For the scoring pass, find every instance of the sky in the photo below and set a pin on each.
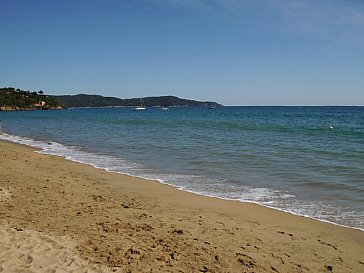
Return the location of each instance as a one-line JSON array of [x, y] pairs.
[[235, 52]]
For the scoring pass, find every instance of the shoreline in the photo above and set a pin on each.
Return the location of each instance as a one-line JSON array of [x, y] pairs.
[[262, 205], [147, 224], [238, 200], [43, 150]]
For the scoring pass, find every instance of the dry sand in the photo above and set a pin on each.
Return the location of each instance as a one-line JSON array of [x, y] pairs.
[[61, 216]]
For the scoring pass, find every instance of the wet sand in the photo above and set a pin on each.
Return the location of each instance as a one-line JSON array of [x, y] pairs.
[[61, 216]]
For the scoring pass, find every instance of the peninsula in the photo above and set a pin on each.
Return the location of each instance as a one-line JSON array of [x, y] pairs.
[[84, 100], [12, 99]]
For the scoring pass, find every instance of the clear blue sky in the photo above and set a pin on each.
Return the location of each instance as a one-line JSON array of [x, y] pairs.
[[236, 52]]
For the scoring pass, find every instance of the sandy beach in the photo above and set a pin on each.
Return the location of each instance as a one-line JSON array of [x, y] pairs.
[[61, 216]]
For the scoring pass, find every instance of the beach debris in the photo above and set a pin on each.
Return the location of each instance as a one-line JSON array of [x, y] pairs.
[[329, 268]]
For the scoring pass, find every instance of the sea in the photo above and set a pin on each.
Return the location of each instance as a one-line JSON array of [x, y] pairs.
[[307, 161]]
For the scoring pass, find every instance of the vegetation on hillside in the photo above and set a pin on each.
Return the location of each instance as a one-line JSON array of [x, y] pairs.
[[83, 100], [16, 99]]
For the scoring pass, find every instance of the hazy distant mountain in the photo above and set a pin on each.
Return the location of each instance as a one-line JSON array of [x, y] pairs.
[[83, 100]]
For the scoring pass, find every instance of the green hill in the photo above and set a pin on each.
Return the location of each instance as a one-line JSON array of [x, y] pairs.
[[83, 100], [16, 99]]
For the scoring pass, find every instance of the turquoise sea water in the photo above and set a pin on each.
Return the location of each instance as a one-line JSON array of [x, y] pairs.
[[304, 160]]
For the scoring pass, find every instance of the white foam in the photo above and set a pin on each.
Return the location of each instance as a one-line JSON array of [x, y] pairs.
[[74, 154], [201, 185]]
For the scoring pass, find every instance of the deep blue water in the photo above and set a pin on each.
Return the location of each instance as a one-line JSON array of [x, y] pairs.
[[305, 160]]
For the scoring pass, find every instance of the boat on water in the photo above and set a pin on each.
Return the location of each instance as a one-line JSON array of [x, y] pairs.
[[140, 107], [163, 108]]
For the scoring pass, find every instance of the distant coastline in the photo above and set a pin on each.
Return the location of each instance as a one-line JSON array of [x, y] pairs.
[[97, 101], [12, 99]]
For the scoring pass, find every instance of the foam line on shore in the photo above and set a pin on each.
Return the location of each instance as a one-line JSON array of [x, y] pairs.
[[129, 168], [138, 225]]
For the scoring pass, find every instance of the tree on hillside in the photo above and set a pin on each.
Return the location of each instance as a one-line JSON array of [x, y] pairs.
[[20, 99]]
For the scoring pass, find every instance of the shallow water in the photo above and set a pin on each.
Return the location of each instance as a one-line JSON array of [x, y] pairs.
[[305, 160]]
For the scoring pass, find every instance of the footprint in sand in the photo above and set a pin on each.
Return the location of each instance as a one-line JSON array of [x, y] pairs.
[[29, 251], [25, 259], [4, 193]]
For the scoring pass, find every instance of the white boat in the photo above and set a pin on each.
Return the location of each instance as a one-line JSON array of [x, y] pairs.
[[164, 108], [139, 108]]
